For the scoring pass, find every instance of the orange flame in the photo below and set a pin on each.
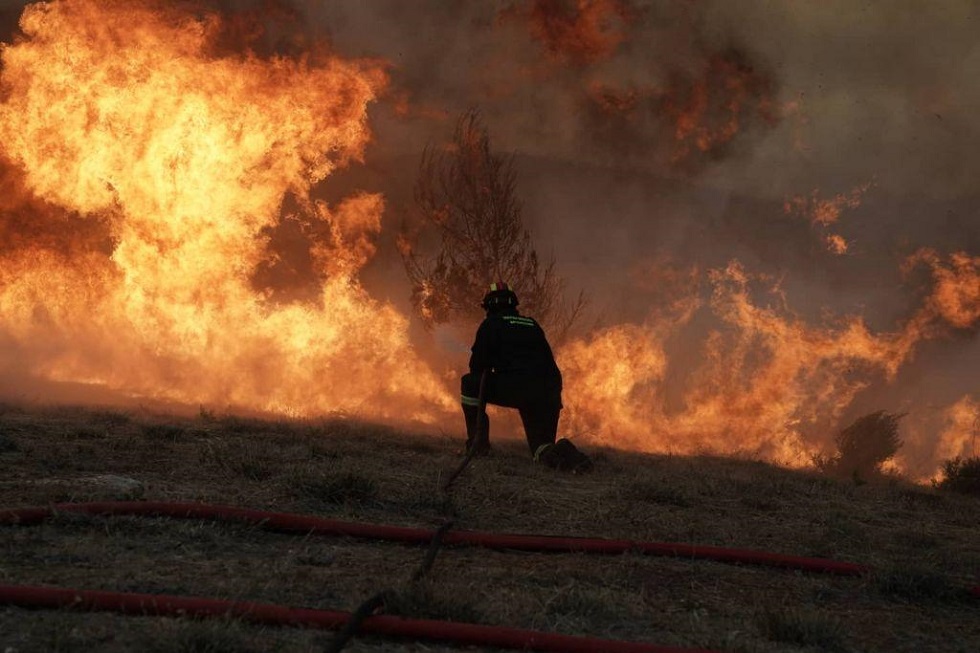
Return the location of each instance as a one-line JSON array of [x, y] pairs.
[[825, 212], [766, 379], [582, 32], [836, 243], [702, 114], [959, 438], [796, 110], [955, 298], [130, 114], [708, 113], [143, 165]]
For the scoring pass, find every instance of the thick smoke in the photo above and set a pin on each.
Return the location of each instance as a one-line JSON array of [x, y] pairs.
[[659, 141], [873, 103]]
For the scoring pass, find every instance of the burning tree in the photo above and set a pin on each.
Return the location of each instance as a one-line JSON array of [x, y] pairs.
[[467, 193], [864, 446]]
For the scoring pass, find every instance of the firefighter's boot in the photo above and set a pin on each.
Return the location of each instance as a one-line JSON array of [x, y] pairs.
[[563, 456]]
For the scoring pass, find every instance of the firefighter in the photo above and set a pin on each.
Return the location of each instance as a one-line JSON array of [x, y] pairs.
[[522, 374]]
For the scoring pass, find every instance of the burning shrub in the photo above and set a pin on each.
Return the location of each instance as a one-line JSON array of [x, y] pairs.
[[961, 475], [864, 446], [468, 194]]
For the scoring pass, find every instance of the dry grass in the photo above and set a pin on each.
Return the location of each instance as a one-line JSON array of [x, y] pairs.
[[805, 628], [960, 475], [922, 542]]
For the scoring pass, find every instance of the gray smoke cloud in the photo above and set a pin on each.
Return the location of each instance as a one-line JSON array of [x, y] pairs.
[[886, 90], [890, 90], [881, 94]]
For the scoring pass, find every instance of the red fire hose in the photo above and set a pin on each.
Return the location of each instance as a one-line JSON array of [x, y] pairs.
[[264, 613], [305, 524], [465, 634]]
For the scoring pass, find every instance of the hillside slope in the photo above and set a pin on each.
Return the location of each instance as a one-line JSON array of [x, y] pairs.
[[925, 545]]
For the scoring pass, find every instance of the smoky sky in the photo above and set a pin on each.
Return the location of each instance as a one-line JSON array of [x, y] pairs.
[[879, 93], [879, 90], [884, 90]]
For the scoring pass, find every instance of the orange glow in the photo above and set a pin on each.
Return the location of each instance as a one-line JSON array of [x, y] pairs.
[[404, 107], [763, 377], [962, 429], [708, 112], [702, 113], [129, 114], [836, 244], [796, 110], [825, 212], [955, 297], [146, 164], [612, 100], [581, 32], [822, 213]]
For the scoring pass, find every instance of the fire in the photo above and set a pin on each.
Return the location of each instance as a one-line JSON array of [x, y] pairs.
[[708, 112], [613, 101], [146, 166], [796, 110], [825, 212], [836, 243], [581, 32], [131, 116], [767, 383], [701, 112], [959, 437], [822, 213], [955, 297]]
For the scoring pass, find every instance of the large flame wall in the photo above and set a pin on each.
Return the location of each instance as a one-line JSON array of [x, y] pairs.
[[127, 114]]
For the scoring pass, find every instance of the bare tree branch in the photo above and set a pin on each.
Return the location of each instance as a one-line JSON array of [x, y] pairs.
[[468, 196]]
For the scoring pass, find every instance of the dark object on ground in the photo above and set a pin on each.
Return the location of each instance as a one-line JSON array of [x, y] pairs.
[[563, 456], [961, 475], [480, 449]]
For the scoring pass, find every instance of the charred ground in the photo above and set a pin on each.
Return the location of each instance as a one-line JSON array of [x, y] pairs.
[[923, 543]]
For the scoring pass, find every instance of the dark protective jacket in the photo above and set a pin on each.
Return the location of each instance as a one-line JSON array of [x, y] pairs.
[[510, 342]]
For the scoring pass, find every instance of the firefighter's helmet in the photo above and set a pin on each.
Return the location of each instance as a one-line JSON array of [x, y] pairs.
[[499, 296]]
